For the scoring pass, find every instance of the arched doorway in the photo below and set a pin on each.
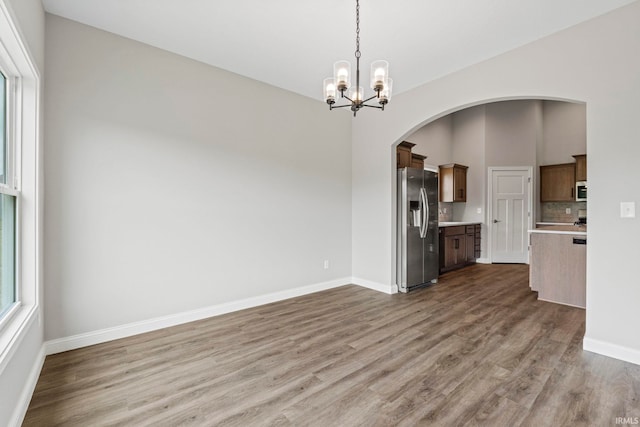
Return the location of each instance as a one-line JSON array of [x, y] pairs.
[[522, 132]]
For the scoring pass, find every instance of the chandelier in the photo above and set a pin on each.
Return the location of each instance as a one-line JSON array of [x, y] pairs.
[[341, 80]]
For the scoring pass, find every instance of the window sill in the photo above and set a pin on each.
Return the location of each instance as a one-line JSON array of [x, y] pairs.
[[14, 331]]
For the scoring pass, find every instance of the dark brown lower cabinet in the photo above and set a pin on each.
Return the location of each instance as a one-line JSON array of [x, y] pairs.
[[459, 246]]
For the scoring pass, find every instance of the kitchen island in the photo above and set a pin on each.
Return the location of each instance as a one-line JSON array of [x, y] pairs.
[[558, 263]]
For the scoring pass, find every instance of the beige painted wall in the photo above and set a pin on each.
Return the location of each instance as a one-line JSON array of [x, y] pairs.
[[174, 186], [564, 132], [513, 130], [434, 141], [469, 147]]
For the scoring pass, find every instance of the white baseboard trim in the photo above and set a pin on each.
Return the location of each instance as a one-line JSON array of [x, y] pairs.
[[483, 261], [611, 350], [97, 337], [387, 289], [27, 391]]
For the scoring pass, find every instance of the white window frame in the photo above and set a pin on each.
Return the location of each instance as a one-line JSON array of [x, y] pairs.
[[12, 126], [23, 181]]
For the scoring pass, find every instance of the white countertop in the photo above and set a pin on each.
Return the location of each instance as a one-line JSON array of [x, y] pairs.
[[560, 228], [455, 223]]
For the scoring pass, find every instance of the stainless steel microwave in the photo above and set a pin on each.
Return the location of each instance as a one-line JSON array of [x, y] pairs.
[[581, 191]]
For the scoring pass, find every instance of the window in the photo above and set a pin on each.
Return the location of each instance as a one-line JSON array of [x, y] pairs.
[[20, 198], [3, 126], [7, 207]]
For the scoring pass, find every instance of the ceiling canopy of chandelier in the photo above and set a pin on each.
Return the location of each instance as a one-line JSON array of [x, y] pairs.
[[341, 81]]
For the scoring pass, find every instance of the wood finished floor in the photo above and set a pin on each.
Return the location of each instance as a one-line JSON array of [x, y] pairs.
[[475, 349]]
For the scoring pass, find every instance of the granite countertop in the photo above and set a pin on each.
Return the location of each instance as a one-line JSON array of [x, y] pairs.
[[455, 223], [580, 230]]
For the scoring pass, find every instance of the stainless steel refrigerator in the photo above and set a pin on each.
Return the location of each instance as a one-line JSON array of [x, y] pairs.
[[417, 237]]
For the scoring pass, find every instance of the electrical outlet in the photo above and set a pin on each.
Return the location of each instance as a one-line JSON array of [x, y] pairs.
[[627, 209], [567, 211], [479, 210], [326, 264]]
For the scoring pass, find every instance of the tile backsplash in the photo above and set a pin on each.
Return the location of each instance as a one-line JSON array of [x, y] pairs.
[[551, 211], [557, 211], [445, 212]]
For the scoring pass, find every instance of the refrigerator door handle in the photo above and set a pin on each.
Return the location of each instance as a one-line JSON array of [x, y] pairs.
[[426, 219], [425, 213]]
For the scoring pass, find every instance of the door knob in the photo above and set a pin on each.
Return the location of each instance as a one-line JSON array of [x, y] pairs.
[[496, 220]]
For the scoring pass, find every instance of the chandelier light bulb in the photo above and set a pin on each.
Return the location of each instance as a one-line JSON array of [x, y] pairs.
[[385, 93], [356, 94], [379, 73], [342, 75], [329, 90]]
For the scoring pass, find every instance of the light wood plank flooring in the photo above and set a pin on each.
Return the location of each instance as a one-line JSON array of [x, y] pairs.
[[475, 349]]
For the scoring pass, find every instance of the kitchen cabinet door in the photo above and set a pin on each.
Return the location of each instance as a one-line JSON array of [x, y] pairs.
[[453, 183], [557, 183], [581, 167], [455, 251]]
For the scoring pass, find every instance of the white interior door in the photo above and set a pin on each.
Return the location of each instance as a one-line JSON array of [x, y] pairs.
[[510, 219]]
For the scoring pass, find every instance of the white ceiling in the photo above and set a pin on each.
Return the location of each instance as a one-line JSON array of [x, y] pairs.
[[293, 44]]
